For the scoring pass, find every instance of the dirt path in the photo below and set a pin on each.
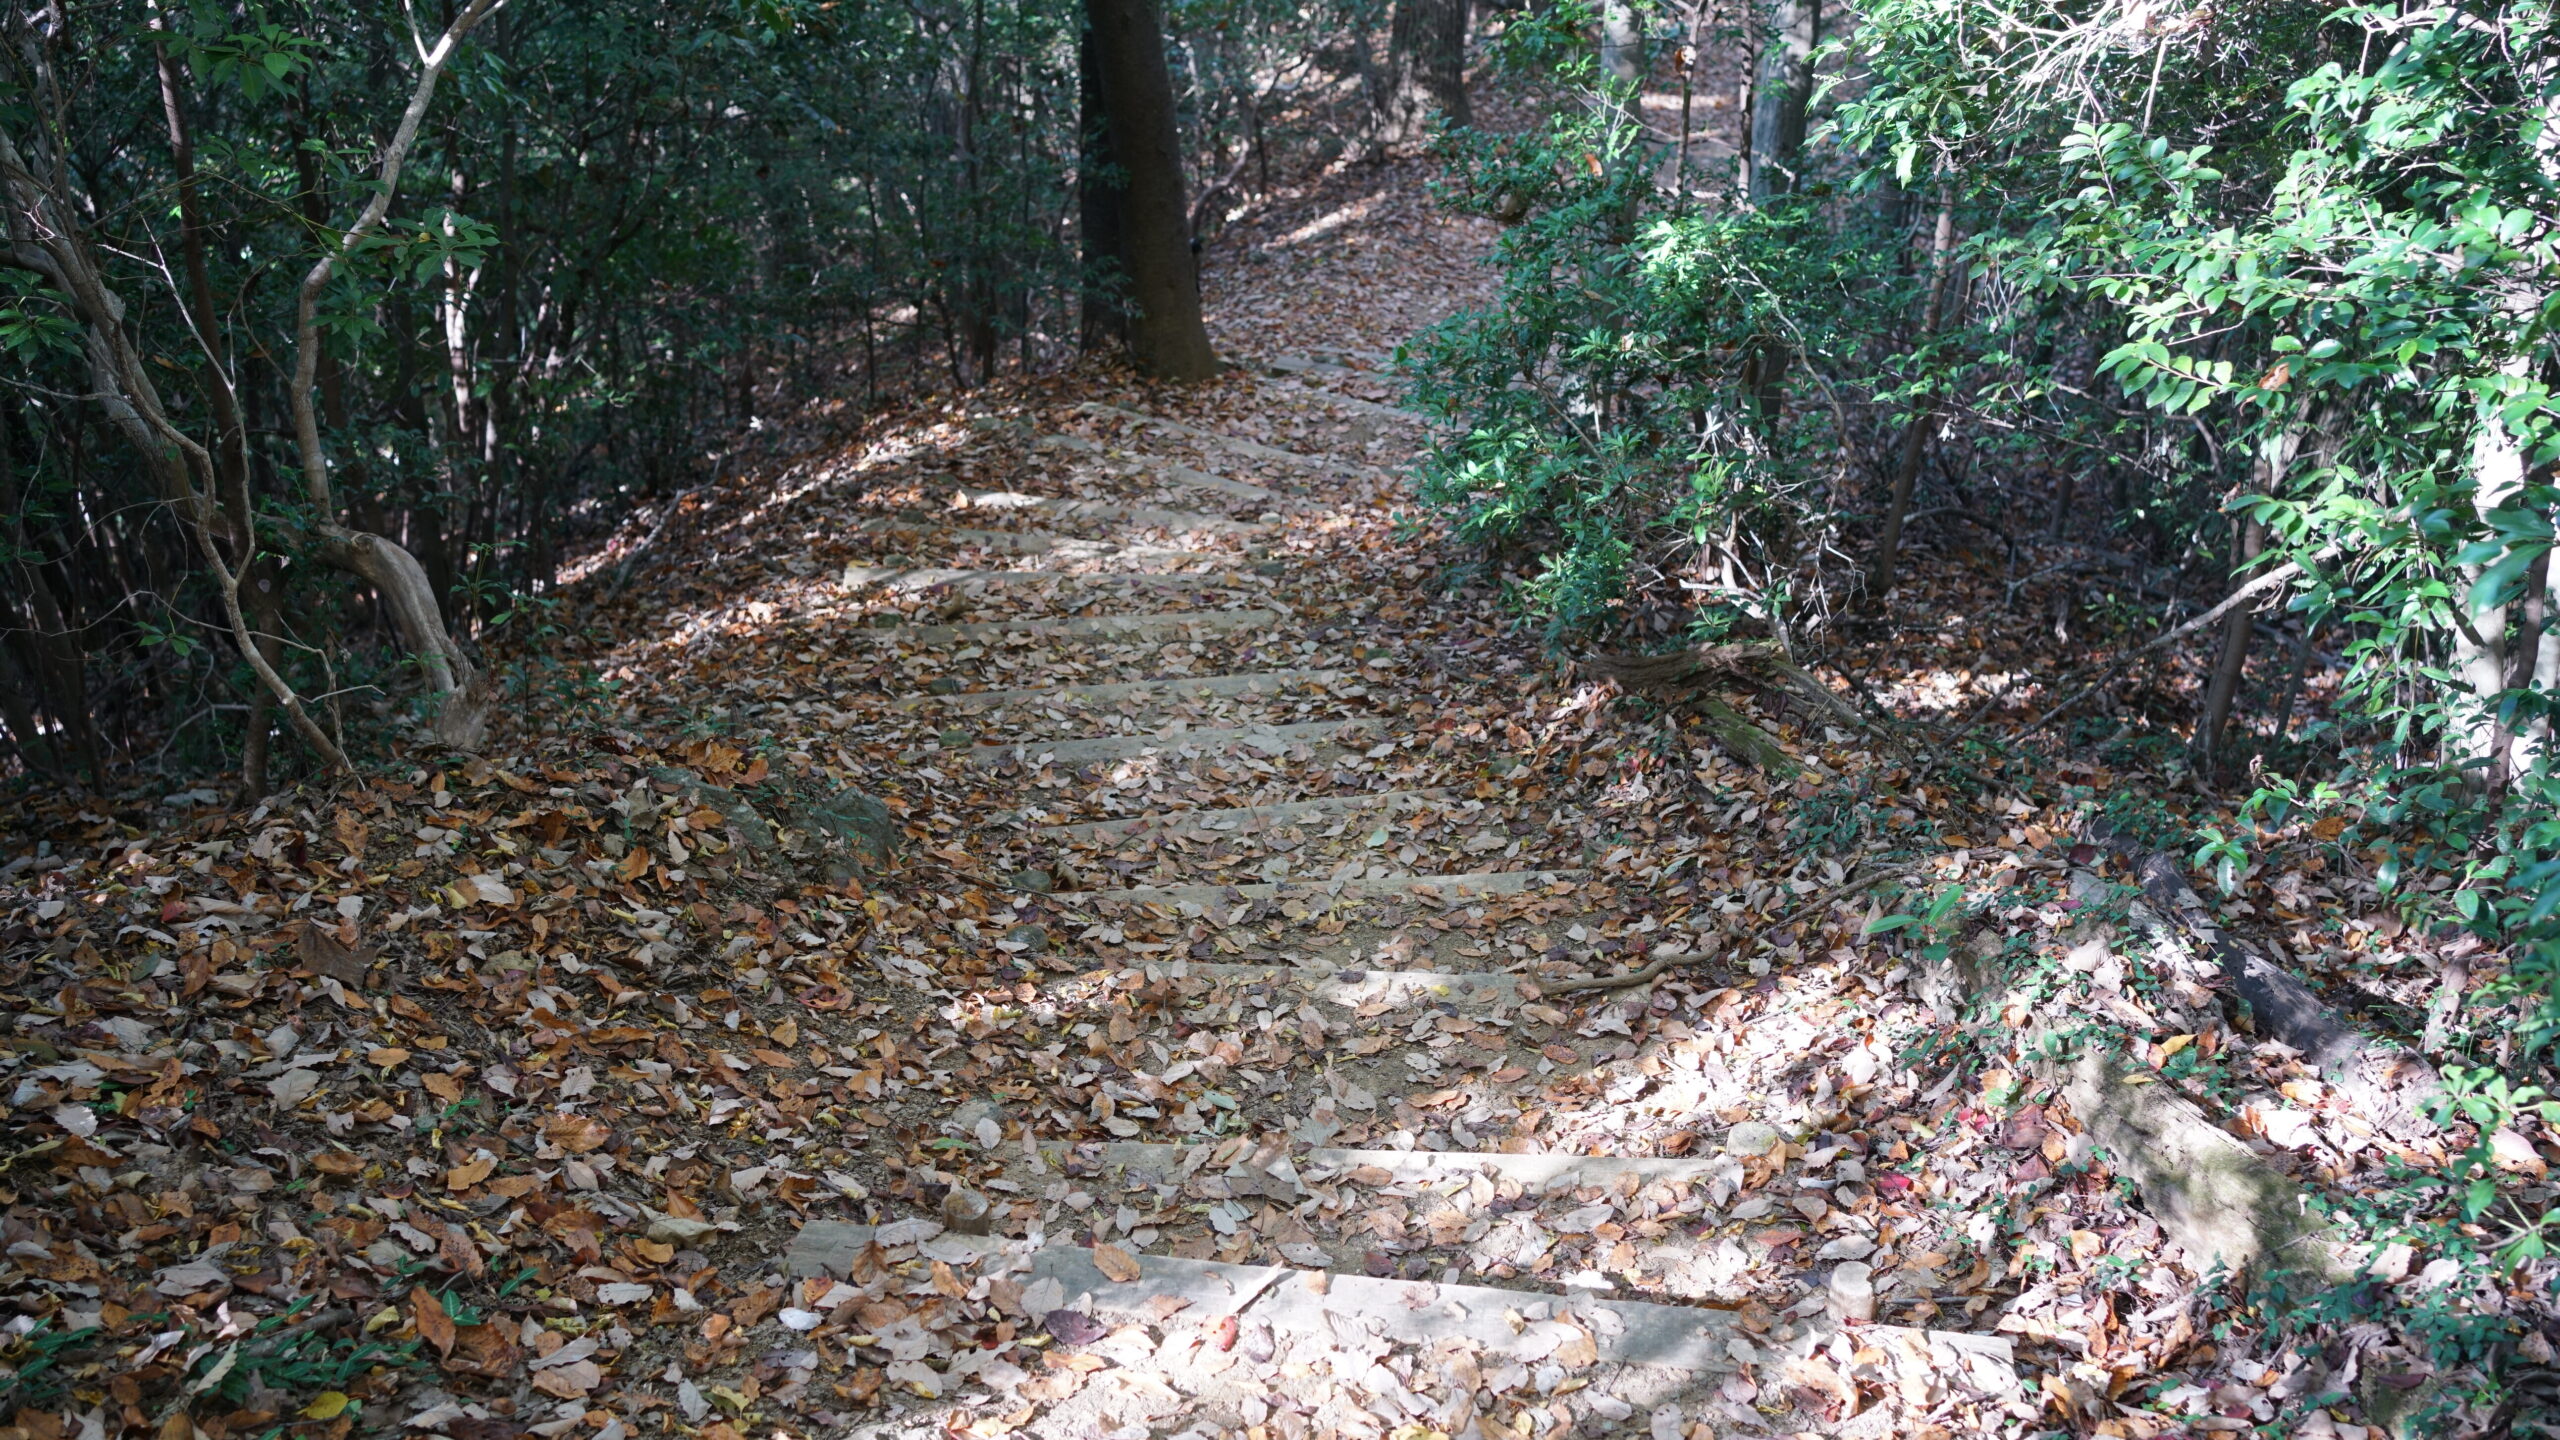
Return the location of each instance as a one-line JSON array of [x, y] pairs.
[[1199, 1065], [1268, 1119]]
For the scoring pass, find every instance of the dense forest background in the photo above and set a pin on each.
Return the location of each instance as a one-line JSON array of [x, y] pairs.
[[625, 245]]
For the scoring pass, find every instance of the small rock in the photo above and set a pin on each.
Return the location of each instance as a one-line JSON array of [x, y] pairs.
[[944, 685], [1034, 939], [862, 823], [975, 1118], [1751, 1137]]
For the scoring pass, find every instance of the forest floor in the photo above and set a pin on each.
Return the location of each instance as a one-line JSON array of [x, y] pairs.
[[1207, 1057]]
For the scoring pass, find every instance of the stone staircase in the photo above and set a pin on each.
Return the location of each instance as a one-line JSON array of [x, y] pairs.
[[1251, 985]]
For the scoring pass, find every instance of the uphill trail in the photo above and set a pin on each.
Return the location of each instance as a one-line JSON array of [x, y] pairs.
[[1078, 912], [1221, 1090]]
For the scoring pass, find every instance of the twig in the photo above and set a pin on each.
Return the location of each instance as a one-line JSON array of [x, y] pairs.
[[2244, 594], [623, 572]]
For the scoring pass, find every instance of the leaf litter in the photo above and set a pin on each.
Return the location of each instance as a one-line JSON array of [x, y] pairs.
[[489, 1099]]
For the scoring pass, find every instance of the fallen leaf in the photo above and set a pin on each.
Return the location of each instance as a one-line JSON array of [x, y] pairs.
[[1116, 1263], [434, 1325]]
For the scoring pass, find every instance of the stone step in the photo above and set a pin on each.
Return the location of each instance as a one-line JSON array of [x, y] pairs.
[[1167, 691], [1373, 365], [1497, 1321], [1351, 986], [1499, 882], [1340, 401], [1536, 1173], [1082, 627], [1179, 522], [1269, 739], [900, 580], [1246, 819], [1037, 542], [1172, 471], [1237, 443]]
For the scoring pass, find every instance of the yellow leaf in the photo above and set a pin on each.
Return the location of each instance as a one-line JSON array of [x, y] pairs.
[[463, 1177], [327, 1405], [388, 1057], [2174, 1044], [2141, 1079]]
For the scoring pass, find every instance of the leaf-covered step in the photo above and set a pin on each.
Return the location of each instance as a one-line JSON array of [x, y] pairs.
[[1082, 627]]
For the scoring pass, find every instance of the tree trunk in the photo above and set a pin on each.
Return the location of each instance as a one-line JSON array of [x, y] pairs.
[[1781, 91], [1103, 301], [462, 698], [45, 236], [1621, 42], [1426, 69], [2248, 537], [1915, 441], [1166, 338], [2483, 661]]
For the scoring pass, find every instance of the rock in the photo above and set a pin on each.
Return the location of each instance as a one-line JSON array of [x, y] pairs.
[[734, 809], [1034, 939], [1036, 882], [977, 1120], [1751, 1137], [858, 821], [943, 685]]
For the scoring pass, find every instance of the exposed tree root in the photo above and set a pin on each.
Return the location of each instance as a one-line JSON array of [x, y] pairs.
[[1682, 678], [2386, 1081]]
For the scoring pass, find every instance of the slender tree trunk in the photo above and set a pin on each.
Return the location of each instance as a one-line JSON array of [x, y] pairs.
[[1426, 70], [2483, 660], [1688, 84], [461, 694], [2528, 623], [1915, 440], [2248, 537], [1781, 92], [1621, 42], [1166, 337]]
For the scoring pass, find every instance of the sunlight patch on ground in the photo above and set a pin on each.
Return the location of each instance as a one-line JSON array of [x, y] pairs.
[[1327, 223]]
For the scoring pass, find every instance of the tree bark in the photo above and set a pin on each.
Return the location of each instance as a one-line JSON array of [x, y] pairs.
[[1621, 42], [1915, 441], [2248, 537], [1426, 70], [462, 713], [1102, 302], [1166, 337], [1781, 91]]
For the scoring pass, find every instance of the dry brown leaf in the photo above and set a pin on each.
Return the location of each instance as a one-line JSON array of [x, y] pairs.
[[1115, 1263], [434, 1326]]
